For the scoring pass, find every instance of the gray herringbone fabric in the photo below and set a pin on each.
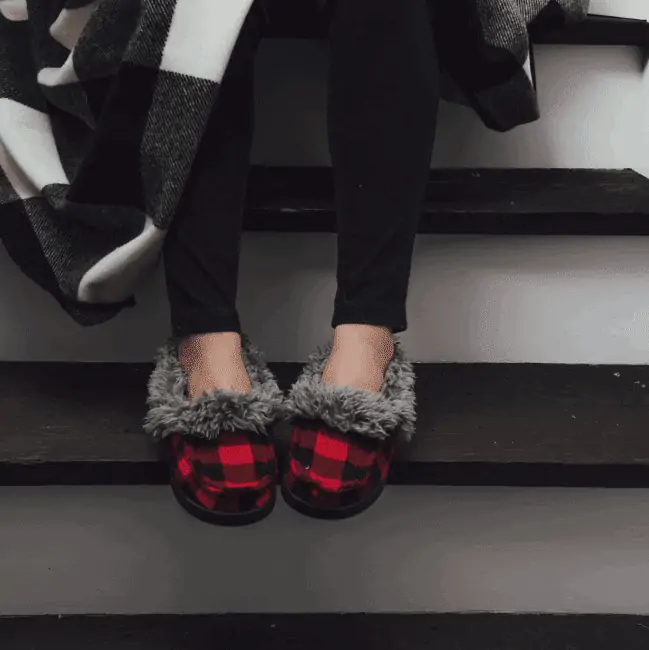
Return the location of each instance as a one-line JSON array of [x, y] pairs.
[[505, 21], [103, 104]]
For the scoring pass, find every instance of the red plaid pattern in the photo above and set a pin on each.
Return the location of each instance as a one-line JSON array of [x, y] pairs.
[[329, 469], [234, 474]]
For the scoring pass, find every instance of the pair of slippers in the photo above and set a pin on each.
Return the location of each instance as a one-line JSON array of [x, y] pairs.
[[224, 467]]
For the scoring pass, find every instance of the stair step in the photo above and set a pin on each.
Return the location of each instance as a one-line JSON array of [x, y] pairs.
[[298, 19], [420, 549], [468, 201], [597, 30], [327, 631], [478, 424], [132, 550]]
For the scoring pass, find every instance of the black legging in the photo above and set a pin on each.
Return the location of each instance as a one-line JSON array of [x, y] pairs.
[[382, 112]]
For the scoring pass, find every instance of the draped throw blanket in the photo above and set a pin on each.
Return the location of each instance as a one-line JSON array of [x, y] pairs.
[[104, 102]]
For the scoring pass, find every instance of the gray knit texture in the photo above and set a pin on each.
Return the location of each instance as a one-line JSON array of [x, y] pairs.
[[171, 410], [71, 210], [390, 412]]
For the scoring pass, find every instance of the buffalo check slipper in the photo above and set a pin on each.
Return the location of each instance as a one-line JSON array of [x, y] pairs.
[[343, 439], [221, 455]]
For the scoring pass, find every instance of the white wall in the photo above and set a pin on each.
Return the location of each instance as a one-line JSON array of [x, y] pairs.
[[473, 298], [620, 8]]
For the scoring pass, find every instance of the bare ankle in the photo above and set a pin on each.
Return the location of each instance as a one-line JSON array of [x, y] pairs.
[[210, 340], [359, 356], [214, 361], [376, 337]]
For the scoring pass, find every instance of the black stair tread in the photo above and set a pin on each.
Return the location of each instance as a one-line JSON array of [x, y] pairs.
[[507, 424], [470, 631], [598, 30], [491, 201], [298, 19]]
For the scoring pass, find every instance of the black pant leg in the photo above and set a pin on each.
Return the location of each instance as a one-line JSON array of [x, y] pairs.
[[201, 253], [383, 101]]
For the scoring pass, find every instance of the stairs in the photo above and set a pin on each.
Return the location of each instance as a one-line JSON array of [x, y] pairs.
[[298, 19], [93, 552], [323, 632], [499, 556], [469, 201], [478, 424]]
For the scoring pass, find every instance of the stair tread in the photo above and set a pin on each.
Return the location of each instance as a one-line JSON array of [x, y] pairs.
[[497, 201], [133, 550], [477, 423], [470, 631], [298, 19], [598, 30]]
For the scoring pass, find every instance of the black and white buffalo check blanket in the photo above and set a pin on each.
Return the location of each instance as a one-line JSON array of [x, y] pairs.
[[103, 104]]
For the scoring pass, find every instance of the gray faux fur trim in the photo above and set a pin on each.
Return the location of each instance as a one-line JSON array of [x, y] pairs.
[[171, 411], [391, 411]]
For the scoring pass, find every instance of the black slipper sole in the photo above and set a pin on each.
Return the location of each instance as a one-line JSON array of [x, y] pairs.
[[316, 512], [219, 518]]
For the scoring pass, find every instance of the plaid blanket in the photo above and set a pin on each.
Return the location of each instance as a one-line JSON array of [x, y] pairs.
[[104, 102]]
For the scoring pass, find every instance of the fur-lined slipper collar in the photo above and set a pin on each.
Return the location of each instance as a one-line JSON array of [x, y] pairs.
[[389, 412], [171, 411]]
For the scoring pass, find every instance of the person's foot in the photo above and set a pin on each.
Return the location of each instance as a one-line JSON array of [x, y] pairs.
[[359, 357], [214, 361]]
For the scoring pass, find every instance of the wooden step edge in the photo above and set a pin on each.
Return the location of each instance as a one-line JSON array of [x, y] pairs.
[[450, 223], [598, 30], [459, 631], [594, 30], [587, 202], [469, 474], [477, 424]]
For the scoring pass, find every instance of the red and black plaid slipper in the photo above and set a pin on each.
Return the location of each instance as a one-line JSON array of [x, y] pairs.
[[344, 439], [221, 455]]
